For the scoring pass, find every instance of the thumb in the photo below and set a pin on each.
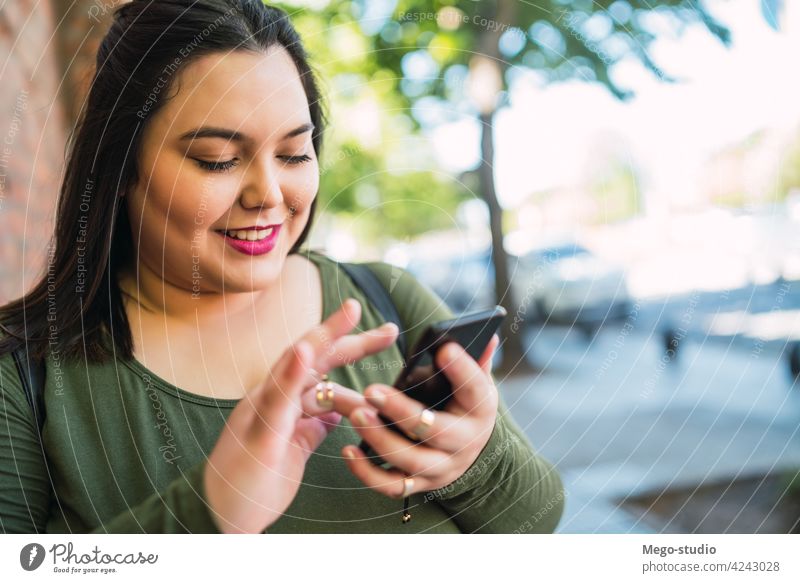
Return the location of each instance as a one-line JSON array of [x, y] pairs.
[[280, 403], [312, 431]]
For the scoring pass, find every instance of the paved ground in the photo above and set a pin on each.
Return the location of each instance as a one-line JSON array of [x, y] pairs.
[[618, 420]]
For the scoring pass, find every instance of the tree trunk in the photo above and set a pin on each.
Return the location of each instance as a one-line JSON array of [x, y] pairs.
[[514, 360]]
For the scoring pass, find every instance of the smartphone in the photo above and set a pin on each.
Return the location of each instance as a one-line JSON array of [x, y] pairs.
[[425, 382]]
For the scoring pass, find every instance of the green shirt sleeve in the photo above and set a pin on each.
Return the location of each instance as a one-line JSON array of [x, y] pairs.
[[24, 481], [180, 508], [25, 485], [510, 487]]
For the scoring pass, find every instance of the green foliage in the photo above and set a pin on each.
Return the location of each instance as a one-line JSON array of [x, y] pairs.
[[379, 71], [616, 193], [385, 203], [789, 174], [562, 40]]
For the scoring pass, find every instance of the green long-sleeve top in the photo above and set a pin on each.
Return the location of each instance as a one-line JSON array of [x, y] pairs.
[[125, 449]]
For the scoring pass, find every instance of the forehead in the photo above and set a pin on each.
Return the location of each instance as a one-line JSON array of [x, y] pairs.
[[259, 91]]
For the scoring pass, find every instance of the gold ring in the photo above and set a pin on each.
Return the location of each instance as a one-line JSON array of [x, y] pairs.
[[325, 395], [408, 485], [426, 418]]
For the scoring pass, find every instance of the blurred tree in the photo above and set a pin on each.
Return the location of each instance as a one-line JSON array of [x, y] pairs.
[[459, 56], [616, 192], [377, 172], [788, 181]]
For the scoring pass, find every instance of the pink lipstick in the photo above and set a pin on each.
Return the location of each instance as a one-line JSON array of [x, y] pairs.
[[259, 246]]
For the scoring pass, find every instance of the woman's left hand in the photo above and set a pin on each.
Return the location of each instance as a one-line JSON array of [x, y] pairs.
[[448, 448]]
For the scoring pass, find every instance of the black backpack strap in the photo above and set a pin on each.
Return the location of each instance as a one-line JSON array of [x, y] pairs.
[[377, 293], [32, 375]]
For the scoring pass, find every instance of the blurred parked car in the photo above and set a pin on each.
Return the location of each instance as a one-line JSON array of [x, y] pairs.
[[464, 281], [568, 284]]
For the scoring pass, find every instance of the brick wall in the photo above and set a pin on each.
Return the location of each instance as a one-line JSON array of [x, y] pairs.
[[47, 51]]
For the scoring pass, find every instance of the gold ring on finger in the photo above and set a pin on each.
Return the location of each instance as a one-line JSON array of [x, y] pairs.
[[426, 419], [325, 395]]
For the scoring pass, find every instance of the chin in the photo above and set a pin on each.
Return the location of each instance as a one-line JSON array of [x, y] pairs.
[[251, 280]]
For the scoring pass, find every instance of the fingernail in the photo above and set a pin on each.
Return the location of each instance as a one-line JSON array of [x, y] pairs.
[[349, 453], [450, 352], [389, 326], [361, 417], [331, 419], [376, 397]]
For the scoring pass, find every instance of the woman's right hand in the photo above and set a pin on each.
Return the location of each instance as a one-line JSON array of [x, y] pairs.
[[257, 464]]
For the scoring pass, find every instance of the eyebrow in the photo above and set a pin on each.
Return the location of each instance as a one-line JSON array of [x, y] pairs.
[[234, 136]]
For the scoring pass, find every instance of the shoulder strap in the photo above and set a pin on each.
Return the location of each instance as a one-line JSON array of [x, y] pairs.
[[32, 375], [377, 293], [379, 296]]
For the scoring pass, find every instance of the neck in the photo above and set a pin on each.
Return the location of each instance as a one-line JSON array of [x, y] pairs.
[[146, 292]]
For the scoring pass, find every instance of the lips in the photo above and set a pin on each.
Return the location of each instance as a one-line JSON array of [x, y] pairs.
[[252, 240], [251, 233]]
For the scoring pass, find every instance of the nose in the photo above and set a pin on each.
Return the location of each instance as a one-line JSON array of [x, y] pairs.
[[261, 186]]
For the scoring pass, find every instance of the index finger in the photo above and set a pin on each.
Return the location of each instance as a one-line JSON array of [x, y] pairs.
[[353, 347], [323, 337], [287, 373]]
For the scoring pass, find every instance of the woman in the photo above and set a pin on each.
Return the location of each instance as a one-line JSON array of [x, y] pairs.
[[185, 331]]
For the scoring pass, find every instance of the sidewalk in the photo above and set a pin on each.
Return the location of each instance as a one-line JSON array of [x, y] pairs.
[[618, 421]]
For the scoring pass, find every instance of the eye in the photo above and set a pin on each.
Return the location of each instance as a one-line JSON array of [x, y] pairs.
[[223, 166], [296, 159]]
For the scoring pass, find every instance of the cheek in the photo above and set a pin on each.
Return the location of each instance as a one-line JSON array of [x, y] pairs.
[[300, 196], [194, 200], [303, 189], [184, 200]]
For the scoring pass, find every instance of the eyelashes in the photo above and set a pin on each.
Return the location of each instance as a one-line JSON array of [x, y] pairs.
[[227, 165], [297, 159], [216, 166]]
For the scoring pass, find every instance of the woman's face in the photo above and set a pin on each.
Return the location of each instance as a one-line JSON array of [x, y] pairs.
[[229, 151]]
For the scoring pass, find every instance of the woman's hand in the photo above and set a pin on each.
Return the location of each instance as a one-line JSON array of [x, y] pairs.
[[257, 464], [448, 448]]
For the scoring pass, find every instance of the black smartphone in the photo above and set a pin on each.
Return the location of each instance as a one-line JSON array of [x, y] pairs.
[[422, 379]]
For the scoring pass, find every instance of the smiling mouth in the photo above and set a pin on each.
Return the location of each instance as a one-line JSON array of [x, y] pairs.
[[250, 234]]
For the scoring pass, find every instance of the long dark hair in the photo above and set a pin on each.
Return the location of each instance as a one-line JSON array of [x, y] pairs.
[[77, 306]]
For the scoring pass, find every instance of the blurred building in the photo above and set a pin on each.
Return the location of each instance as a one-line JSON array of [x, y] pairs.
[[48, 51]]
